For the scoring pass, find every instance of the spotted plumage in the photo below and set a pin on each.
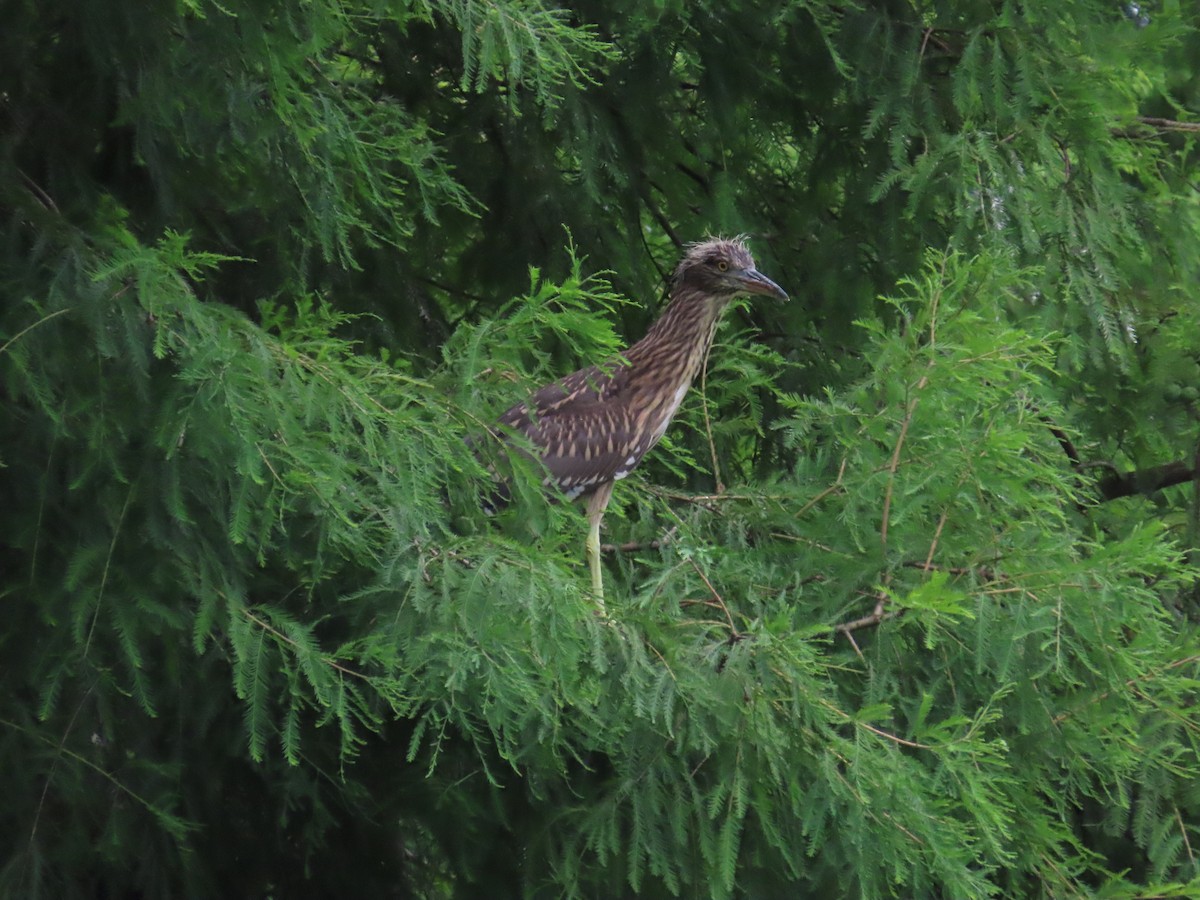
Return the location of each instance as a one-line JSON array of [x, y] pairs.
[[593, 427]]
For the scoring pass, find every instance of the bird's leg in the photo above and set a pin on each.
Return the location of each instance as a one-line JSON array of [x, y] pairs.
[[595, 513], [593, 553]]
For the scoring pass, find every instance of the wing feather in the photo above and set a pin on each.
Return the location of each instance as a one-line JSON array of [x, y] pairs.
[[582, 429]]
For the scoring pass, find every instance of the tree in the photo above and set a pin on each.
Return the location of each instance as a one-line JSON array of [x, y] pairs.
[[904, 605]]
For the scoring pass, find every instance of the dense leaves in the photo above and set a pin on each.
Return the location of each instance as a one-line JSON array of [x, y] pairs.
[[904, 603]]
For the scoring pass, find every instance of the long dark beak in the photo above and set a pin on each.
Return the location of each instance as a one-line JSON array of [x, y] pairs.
[[753, 281]]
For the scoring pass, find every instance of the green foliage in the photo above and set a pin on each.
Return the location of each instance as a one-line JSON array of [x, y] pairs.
[[879, 625], [523, 43]]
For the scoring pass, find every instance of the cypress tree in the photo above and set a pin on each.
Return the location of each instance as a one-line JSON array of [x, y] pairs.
[[903, 605]]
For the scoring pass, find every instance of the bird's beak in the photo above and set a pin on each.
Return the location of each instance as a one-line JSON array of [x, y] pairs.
[[753, 281]]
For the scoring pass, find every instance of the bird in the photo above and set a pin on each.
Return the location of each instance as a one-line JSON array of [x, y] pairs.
[[593, 427]]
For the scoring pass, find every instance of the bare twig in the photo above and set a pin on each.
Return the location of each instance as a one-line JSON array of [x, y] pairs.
[[709, 501], [880, 614], [112, 547], [42, 197], [893, 737], [1167, 124], [832, 489], [1183, 832], [279, 635], [1063, 439], [62, 748], [982, 572], [924, 43], [877, 615], [87, 763], [717, 599], [800, 539], [853, 643], [633, 546], [895, 464], [42, 321], [871, 728], [937, 535]]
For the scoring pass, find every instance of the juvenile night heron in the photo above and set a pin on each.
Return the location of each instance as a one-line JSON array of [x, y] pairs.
[[592, 428]]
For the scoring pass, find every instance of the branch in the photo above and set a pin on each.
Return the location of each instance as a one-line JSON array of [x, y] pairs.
[[1063, 439], [717, 600], [983, 573], [894, 464], [880, 614], [876, 616], [1117, 484], [869, 621], [1146, 481], [1167, 124], [632, 546], [1134, 132]]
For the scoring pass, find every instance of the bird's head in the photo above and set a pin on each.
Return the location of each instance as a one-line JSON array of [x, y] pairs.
[[722, 268]]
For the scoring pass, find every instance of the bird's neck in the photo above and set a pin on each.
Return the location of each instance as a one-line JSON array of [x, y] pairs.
[[674, 348]]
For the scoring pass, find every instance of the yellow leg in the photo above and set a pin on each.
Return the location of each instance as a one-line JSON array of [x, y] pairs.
[[593, 554], [595, 513]]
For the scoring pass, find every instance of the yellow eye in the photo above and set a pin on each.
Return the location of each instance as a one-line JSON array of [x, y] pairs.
[[722, 266]]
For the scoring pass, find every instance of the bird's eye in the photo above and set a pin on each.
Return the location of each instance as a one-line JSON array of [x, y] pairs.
[[722, 266]]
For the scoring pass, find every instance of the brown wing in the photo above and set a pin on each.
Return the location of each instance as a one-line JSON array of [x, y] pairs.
[[583, 428]]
